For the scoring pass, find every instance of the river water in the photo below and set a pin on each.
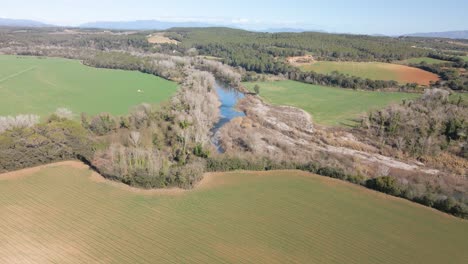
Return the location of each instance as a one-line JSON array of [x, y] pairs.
[[228, 96]]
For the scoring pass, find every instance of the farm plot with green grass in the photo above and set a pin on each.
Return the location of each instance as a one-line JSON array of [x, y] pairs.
[[374, 71], [465, 58], [327, 105], [422, 59], [66, 214], [31, 85]]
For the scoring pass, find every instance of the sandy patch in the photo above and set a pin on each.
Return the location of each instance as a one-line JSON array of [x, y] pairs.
[[159, 38], [300, 60]]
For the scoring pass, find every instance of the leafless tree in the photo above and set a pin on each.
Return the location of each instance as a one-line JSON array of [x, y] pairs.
[[20, 121], [64, 113], [134, 138]]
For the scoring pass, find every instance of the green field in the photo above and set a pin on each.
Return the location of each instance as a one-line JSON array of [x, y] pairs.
[[30, 85], [422, 59], [465, 58], [373, 70], [329, 106], [61, 215]]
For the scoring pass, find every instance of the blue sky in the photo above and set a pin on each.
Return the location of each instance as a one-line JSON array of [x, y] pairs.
[[358, 16]]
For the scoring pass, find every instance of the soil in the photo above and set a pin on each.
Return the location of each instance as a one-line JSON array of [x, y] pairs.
[[159, 38], [300, 60], [410, 74]]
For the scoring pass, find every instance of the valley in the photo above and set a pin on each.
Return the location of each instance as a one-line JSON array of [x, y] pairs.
[[248, 217], [143, 132]]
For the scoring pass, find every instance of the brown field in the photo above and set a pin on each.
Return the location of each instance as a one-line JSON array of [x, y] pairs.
[[65, 213], [410, 75], [159, 38], [372, 70]]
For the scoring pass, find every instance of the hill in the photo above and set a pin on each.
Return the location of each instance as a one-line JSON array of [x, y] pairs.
[[6, 22], [142, 25], [64, 213], [461, 34]]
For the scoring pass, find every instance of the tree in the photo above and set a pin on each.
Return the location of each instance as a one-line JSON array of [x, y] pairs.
[[257, 89], [385, 184]]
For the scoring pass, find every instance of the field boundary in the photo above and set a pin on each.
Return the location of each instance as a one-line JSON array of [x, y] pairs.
[[17, 74], [208, 181], [94, 176]]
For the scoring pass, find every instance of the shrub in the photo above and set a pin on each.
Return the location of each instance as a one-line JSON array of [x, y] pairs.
[[257, 89], [336, 173], [103, 124], [186, 176], [43, 143], [200, 152], [385, 184]]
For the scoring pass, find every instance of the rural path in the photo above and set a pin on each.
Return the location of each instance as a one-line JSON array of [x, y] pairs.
[[17, 74]]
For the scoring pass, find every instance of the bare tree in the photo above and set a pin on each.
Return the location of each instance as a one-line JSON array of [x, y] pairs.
[[20, 121], [64, 113], [134, 138]]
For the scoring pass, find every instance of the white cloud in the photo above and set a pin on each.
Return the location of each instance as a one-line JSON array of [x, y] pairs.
[[240, 21]]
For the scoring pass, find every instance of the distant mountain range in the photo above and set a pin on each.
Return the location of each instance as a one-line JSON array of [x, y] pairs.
[[291, 30], [462, 34], [143, 25], [163, 25], [6, 22]]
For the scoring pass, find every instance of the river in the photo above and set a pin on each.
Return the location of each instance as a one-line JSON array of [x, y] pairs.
[[228, 96]]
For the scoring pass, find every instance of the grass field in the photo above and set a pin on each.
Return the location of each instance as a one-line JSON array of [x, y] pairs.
[[62, 215], [374, 71], [31, 85], [329, 106], [422, 59], [465, 58]]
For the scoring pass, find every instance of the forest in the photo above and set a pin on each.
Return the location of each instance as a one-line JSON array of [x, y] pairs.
[[266, 53]]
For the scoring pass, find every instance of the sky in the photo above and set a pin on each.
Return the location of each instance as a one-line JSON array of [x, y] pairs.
[[390, 17]]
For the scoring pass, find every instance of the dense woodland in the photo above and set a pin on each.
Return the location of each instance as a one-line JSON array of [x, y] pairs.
[[241, 48], [423, 127], [266, 53]]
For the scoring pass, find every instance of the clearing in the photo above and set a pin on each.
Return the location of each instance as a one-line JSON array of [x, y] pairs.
[[32, 85], [327, 105], [159, 38], [300, 60], [374, 71], [61, 214]]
